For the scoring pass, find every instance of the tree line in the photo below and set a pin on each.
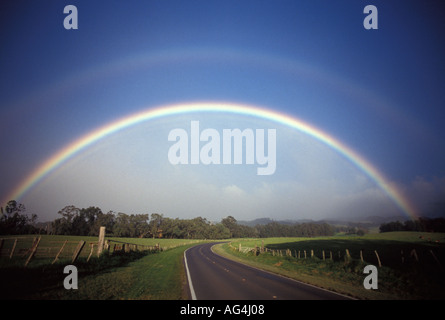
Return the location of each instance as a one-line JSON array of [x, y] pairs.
[[421, 225], [87, 222], [75, 221], [13, 219]]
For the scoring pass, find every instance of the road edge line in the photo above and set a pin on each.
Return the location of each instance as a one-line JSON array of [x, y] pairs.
[[286, 277], [189, 278]]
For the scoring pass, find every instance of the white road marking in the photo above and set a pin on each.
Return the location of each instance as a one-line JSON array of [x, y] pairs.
[[189, 279]]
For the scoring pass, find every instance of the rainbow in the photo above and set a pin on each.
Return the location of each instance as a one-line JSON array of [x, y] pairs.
[[87, 140]]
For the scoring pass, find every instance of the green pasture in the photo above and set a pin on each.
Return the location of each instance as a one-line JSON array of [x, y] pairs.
[[403, 274], [160, 275], [50, 245], [114, 275], [390, 247]]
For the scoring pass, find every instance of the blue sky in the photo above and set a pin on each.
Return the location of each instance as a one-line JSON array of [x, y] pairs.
[[381, 92]]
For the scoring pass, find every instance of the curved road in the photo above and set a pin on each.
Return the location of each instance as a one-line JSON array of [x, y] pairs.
[[213, 277]]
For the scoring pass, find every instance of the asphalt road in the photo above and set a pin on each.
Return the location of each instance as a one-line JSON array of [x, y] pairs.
[[213, 277]]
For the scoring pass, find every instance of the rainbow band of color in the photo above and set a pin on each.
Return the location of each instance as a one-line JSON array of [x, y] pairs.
[[74, 148]]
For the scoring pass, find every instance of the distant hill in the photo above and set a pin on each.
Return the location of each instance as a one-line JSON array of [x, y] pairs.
[[264, 221], [371, 221]]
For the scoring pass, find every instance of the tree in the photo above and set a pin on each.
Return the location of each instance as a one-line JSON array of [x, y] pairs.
[[13, 219], [90, 215], [391, 226], [139, 225], [106, 220], [121, 227], [133, 226], [219, 231], [231, 224], [12, 207], [155, 224], [64, 225]]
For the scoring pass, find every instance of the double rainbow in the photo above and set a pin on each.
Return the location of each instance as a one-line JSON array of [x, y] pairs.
[[87, 140]]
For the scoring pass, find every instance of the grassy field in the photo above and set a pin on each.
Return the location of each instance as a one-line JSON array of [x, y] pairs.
[[412, 279], [50, 245], [119, 275], [161, 275], [158, 276]]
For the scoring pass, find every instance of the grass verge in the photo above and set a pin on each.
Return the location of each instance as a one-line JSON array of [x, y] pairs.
[[134, 276], [424, 279]]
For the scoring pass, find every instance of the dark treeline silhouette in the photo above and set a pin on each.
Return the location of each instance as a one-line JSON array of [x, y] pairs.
[[87, 221], [307, 229], [13, 219], [421, 224], [75, 221]]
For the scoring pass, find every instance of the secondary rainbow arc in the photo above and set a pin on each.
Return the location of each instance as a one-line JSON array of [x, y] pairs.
[[90, 138]]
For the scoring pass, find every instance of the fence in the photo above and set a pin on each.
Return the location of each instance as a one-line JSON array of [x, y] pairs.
[[31, 247], [344, 255]]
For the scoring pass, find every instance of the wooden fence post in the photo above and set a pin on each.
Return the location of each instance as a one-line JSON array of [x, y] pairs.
[[33, 250], [378, 258], [414, 253], [435, 258], [101, 242], [13, 248], [91, 252], [60, 251], [78, 249], [348, 256]]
